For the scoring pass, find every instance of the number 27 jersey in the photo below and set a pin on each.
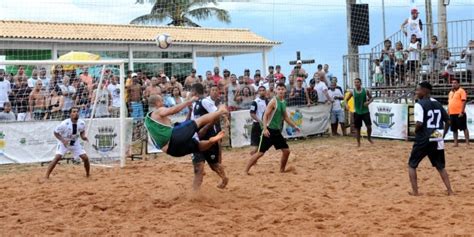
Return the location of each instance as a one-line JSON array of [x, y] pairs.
[[433, 116]]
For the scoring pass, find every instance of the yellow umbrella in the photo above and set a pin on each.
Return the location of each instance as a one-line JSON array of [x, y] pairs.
[[77, 56]]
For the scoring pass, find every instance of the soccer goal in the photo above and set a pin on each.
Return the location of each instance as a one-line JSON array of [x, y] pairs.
[[37, 95]]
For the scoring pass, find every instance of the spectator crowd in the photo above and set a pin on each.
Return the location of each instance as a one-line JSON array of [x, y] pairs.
[[50, 97]]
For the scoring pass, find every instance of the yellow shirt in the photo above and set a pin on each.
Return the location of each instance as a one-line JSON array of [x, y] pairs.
[[350, 102]]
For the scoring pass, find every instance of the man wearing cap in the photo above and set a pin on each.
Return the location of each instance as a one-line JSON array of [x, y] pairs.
[[413, 25], [432, 124], [298, 70]]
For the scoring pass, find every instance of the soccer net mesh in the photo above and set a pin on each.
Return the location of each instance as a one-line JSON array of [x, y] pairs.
[[36, 95]]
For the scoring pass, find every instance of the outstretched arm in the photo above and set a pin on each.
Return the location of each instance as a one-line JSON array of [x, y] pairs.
[[163, 112]]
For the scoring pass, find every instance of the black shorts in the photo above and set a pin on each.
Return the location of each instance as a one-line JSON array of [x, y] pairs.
[[458, 123], [431, 150], [182, 142], [255, 134], [211, 156], [276, 139], [359, 118]]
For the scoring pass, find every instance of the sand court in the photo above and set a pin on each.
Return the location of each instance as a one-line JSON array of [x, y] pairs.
[[332, 188]]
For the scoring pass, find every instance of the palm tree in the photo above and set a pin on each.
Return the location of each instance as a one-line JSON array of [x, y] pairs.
[[181, 12]]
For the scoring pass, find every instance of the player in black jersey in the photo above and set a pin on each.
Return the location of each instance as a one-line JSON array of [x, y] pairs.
[[201, 107], [432, 124]]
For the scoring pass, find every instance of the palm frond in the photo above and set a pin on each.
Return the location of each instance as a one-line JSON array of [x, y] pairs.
[[189, 22], [204, 13], [149, 18], [201, 3]]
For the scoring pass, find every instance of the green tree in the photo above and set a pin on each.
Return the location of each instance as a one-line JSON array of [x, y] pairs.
[[182, 12]]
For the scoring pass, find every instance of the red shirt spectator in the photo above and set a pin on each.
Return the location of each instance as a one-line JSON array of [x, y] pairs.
[[216, 78]]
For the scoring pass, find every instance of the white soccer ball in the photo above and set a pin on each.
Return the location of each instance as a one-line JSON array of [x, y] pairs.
[[163, 41]]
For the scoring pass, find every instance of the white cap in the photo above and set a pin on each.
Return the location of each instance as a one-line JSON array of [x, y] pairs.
[[134, 74], [299, 61]]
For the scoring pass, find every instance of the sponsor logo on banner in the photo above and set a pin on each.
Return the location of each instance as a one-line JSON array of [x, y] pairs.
[[20, 145], [297, 118], [384, 117], [105, 140], [389, 120]]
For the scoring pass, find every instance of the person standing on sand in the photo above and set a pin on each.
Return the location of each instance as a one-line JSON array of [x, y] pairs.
[[362, 100], [68, 133], [457, 111], [257, 110], [431, 118], [273, 118], [213, 156]]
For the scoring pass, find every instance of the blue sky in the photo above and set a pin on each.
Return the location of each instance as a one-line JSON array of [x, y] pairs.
[[315, 27]]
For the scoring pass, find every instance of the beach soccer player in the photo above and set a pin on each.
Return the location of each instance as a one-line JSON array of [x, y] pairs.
[[432, 124], [362, 99], [273, 119], [257, 109], [201, 107], [178, 140], [68, 133]]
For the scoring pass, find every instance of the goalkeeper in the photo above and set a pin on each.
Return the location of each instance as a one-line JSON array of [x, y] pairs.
[[178, 140]]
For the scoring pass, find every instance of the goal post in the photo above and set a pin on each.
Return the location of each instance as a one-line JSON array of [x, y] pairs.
[[38, 108]]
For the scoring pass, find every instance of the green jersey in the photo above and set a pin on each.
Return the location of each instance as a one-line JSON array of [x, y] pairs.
[[160, 133], [359, 99], [276, 120]]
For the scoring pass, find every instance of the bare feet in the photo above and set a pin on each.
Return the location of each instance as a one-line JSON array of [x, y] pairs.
[[371, 142], [413, 193], [450, 193], [224, 183], [217, 137], [456, 145]]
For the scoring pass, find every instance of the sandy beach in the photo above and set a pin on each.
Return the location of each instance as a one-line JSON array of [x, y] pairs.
[[332, 188]]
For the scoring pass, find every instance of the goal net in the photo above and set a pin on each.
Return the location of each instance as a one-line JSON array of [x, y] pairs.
[[37, 95]]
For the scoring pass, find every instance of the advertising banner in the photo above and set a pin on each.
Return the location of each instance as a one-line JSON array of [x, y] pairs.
[[388, 120], [29, 142], [470, 125], [310, 120]]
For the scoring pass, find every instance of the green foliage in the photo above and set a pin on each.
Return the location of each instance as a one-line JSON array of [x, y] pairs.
[[181, 12]]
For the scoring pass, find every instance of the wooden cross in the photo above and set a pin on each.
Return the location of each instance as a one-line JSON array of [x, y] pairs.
[[298, 58]]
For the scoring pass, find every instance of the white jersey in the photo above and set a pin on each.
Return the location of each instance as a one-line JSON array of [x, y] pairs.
[[69, 131], [258, 107], [414, 27]]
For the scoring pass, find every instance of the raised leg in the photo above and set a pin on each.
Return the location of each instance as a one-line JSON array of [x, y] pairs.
[[206, 144], [211, 118]]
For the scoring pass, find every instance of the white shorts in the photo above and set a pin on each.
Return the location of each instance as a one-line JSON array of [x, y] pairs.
[[76, 150]]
